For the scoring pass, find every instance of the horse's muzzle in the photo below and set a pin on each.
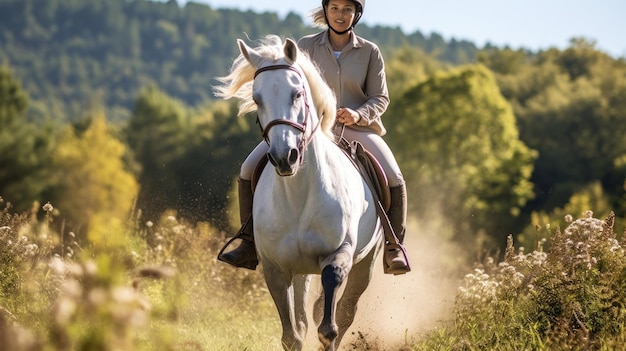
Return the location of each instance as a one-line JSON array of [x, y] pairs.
[[285, 164]]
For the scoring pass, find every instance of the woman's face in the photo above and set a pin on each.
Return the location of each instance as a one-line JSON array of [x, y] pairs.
[[341, 14]]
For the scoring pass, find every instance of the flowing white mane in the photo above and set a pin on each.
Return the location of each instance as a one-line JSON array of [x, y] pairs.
[[238, 83]]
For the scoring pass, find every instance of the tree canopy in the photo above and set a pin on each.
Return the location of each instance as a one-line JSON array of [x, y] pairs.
[[90, 176], [24, 148], [456, 137], [111, 49]]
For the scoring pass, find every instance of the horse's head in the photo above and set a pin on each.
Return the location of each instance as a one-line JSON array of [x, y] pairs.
[[280, 92], [289, 94]]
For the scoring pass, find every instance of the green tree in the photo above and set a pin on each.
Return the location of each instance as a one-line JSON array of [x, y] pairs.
[[542, 225], [24, 148], [407, 67], [115, 47], [219, 143], [188, 158], [571, 108], [503, 61], [579, 58], [456, 138], [92, 179], [157, 135]]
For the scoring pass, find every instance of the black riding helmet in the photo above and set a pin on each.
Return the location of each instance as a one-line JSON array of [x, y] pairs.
[[360, 5]]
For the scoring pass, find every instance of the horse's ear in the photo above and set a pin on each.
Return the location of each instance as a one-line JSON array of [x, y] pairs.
[[291, 50], [250, 54]]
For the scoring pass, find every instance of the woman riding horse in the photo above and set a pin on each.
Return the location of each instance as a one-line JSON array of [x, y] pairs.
[[354, 69]]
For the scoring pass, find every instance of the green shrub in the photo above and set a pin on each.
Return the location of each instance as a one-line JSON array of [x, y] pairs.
[[130, 287], [569, 297]]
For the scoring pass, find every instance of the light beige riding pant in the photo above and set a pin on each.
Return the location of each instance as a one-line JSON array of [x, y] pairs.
[[372, 142]]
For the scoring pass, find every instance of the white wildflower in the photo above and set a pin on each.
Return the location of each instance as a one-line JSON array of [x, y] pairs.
[[72, 288], [48, 207], [64, 310]]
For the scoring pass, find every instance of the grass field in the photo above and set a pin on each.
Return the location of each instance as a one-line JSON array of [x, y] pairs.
[[159, 287]]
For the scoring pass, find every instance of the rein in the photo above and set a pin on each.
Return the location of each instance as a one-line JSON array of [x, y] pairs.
[[301, 127]]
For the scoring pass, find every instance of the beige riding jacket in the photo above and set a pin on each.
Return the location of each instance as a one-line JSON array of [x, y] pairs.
[[357, 77]]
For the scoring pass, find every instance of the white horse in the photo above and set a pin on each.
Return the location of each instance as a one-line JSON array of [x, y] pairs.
[[313, 213]]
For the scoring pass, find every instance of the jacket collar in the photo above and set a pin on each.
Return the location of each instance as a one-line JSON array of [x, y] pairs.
[[323, 39]]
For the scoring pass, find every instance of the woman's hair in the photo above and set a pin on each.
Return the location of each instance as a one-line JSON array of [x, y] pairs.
[[319, 18]]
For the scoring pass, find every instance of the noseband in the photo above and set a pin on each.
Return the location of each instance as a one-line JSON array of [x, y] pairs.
[[301, 127]]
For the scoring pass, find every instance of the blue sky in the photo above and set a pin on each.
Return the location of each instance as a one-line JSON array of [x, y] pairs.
[[531, 24]]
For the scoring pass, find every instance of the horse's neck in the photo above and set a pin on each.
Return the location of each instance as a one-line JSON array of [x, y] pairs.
[[322, 160], [317, 178]]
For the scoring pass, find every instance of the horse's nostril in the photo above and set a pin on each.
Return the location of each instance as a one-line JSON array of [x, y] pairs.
[[293, 156], [270, 157]]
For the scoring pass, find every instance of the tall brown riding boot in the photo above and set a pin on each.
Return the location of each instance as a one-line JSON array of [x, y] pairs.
[[395, 258], [244, 255]]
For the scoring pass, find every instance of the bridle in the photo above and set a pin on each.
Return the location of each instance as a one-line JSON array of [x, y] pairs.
[[301, 127]]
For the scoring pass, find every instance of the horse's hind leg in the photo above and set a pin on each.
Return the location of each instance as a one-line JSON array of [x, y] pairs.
[[358, 280], [318, 308], [300, 291], [281, 289]]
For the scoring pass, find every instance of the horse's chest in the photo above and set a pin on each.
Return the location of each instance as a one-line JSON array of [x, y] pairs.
[[301, 233], [300, 240]]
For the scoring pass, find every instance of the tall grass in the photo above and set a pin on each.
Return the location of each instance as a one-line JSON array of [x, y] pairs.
[[157, 286], [150, 286], [567, 294]]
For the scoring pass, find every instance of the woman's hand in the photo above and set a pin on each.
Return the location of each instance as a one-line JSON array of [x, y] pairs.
[[347, 116]]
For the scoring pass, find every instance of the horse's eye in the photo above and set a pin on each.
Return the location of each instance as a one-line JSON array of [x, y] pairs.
[[298, 95]]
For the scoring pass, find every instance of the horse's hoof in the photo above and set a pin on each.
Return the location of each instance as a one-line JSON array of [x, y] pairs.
[[327, 335]]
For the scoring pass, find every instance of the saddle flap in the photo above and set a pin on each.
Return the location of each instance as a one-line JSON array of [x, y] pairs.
[[371, 169]]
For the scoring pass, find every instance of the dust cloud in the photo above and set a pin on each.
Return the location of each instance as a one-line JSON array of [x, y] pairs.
[[395, 310]]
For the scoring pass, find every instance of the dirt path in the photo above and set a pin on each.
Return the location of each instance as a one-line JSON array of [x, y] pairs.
[[397, 309]]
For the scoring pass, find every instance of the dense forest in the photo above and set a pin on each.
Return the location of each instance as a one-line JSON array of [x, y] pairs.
[[70, 53], [106, 108]]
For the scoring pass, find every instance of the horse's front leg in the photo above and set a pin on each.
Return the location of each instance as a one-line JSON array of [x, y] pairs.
[[281, 288], [333, 275]]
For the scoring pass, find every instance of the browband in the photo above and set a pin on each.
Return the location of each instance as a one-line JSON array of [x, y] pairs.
[[275, 67]]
